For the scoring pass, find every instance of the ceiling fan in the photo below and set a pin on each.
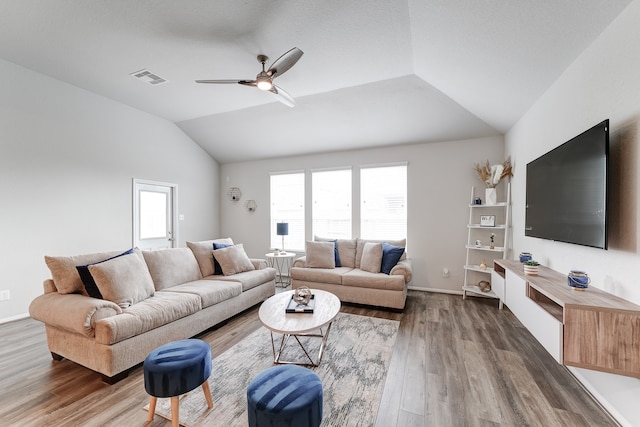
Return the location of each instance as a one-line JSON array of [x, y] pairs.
[[264, 79]]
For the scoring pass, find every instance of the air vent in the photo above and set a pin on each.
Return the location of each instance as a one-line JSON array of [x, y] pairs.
[[149, 77]]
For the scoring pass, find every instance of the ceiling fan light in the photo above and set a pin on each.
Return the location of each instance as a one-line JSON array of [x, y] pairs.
[[264, 84]]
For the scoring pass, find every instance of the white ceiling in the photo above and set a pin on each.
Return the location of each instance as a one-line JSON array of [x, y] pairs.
[[374, 72]]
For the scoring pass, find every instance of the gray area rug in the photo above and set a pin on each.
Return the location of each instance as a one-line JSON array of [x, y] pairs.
[[353, 372]]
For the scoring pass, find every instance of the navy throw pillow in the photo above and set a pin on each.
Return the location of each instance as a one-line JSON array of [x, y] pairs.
[[390, 257], [216, 265], [335, 252], [87, 279]]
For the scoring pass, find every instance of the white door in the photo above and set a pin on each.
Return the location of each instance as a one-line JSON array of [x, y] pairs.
[[154, 207]]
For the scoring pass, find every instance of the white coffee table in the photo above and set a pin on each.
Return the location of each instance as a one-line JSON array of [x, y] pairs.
[[273, 316]]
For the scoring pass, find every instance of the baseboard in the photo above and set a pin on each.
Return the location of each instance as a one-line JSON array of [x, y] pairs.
[[435, 290], [14, 318], [605, 402]]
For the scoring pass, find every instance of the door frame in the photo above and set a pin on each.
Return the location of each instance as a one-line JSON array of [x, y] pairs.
[[174, 208]]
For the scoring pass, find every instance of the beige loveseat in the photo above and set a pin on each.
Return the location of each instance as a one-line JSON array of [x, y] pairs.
[[149, 298], [358, 279]]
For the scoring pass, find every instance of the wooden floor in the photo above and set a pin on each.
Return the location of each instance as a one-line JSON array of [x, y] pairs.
[[455, 363]]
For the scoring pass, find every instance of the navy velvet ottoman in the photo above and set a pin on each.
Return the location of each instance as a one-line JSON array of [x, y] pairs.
[[174, 369], [285, 396]]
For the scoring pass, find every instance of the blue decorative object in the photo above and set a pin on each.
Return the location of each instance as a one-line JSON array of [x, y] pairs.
[[336, 255], [477, 201], [285, 396], [390, 257], [578, 280], [176, 368], [525, 256]]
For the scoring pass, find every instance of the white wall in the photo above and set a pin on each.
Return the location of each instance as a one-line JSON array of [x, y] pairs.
[[440, 176], [67, 160], [602, 83]]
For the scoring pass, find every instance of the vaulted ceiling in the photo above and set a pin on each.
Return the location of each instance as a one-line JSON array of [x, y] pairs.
[[374, 72]]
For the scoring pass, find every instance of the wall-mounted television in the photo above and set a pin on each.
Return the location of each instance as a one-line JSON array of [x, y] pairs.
[[567, 191]]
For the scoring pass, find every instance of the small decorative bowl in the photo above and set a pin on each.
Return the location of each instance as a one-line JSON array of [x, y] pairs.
[[578, 280], [525, 256], [302, 295]]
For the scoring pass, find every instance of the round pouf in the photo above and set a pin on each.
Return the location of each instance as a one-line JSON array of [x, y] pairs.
[[285, 396], [177, 368]]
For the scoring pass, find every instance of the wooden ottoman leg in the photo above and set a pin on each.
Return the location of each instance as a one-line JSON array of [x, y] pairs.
[[207, 394], [152, 408], [175, 411]]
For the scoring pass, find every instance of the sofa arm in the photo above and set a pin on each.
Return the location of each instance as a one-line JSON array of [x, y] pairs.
[[259, 264], [403, 268], [72, 312], [300, 262]]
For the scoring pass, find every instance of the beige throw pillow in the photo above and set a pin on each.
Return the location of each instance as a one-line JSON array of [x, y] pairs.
[[233, 260], [371, 257], [124, 280], [65, 275], [202, 251], [320, 255]]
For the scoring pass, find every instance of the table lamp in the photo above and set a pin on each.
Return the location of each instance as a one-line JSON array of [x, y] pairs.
[[282, 229]]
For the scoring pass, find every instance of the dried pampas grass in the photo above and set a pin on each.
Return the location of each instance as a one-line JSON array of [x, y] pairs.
[[491, 175]]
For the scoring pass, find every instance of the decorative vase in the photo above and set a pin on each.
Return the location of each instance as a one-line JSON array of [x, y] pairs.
[[490, 195], [578, 280], [531, 270]]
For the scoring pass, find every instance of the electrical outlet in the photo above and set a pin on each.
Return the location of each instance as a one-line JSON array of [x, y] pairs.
[[5, 295], [445, 272]]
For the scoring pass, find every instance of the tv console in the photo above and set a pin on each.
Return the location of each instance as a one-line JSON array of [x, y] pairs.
[[590, 329]]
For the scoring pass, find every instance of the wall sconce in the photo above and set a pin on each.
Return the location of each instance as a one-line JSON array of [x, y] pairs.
[[282, 229], [234, 194], [251, 205]]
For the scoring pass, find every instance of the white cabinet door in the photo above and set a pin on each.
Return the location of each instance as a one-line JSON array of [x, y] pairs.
[[543, 326]]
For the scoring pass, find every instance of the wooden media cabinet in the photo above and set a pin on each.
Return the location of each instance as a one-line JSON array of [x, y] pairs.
[[590, 329]]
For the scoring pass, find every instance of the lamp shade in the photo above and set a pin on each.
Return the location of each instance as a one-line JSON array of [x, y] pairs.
[[282, 229]]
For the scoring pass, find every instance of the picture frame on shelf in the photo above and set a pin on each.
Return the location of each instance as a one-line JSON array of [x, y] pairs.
[[487, 220]]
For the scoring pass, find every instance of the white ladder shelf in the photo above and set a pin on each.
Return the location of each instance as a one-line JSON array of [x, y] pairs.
[[496, 221]]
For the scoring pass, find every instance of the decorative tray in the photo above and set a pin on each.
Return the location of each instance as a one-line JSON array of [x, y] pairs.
[[294, 307]]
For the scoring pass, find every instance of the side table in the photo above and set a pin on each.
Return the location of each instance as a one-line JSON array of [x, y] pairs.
[[281, 263]]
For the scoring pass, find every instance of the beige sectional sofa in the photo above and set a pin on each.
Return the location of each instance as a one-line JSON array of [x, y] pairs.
[[149, 298], [359, 278]]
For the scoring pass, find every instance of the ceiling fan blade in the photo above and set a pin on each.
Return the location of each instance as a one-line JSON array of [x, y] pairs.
[[222, 81], [283, 96], [286, 61]]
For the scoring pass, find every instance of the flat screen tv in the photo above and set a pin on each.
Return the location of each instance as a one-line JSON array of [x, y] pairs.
[[567, 191]]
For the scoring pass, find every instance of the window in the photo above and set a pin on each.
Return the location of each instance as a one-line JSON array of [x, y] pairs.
[[383, 202], [287, 205], [331, 209]]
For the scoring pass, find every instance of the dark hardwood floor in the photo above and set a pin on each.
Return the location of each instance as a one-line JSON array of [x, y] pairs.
[[455, 363]]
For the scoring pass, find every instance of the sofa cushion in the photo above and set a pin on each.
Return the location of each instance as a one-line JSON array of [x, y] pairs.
[[390, 257], [233, 260], [361, 242], [320, 255], [65, 275], [210, 292], [346, 250], [371, 257], [170, 267], [217, 269], [365, 279], [159, 310], [319, 275], [249, 279], [202, 251], [124, 280], [87, 279]]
